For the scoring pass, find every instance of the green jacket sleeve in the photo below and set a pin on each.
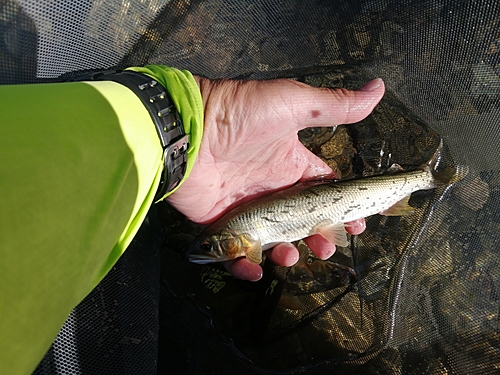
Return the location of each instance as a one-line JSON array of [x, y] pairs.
[[79, 167]]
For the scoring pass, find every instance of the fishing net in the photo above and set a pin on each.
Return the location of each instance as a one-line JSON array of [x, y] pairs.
[[412, 295]]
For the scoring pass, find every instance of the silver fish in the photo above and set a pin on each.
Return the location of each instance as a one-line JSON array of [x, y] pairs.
[[306, 209]]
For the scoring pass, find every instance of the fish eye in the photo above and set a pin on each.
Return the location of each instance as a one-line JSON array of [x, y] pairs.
[[206, 246]]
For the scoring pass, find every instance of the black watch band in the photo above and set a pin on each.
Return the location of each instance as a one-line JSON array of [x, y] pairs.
[[167, 120]]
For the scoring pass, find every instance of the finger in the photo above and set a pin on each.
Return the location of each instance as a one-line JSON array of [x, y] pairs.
[[356, 227], [243, 269], [328, 107], [320, 246], [284, 254]]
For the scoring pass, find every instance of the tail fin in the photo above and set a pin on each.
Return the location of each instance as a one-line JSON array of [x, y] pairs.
[[447, 175], [459, 173]]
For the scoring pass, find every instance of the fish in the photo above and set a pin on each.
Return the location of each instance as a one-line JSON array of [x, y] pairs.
[[314, 208]]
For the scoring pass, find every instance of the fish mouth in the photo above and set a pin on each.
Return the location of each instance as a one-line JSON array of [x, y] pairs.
[[201, 258], [198, 256]]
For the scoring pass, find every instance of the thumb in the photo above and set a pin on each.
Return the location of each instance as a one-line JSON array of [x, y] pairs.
[[328, 107]]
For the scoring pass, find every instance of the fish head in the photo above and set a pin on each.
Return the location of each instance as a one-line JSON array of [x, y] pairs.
[[224, 245]]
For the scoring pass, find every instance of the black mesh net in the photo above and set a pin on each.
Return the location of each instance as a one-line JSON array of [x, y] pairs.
[[412, 295], [115, 329]]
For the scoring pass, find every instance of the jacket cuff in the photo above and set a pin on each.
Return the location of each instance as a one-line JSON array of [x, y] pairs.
[[186, 95]]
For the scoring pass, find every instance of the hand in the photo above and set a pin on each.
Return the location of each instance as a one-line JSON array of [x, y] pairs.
[[250, 147]]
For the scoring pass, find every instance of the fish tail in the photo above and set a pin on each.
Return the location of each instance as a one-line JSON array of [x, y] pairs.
[[444, 175]]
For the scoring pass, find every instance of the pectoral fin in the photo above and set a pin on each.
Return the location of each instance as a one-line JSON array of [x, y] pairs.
[[401, 208], [335, 233], [253, 249]]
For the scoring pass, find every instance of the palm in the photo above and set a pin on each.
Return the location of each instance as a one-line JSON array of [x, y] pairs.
[[250, 147]]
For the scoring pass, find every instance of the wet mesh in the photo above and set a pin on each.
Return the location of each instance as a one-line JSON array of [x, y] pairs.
[[411, 295]]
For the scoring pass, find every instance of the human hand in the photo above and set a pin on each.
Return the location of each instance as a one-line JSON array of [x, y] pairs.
[[250, 147]]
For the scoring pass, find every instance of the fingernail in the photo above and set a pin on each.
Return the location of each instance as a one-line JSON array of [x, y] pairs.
[[372, 85]]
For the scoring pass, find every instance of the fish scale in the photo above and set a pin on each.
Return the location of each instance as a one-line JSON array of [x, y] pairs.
[[291, 215]]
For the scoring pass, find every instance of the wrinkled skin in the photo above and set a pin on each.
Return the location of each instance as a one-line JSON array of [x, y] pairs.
[[250, 147]]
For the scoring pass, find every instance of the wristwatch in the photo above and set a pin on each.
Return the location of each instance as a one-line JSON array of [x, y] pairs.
[[165, 116]]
